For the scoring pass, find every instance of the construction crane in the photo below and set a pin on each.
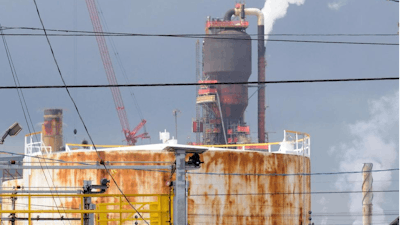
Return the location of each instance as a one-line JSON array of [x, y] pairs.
[[130, 136]]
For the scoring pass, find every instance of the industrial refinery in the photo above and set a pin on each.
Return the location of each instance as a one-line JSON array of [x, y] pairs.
[[211, 185], [224, 176]]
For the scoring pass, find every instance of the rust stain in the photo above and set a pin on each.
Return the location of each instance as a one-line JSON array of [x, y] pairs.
[[221, 202]]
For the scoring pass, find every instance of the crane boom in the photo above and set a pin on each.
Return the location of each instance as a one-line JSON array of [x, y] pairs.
[[130, 136]]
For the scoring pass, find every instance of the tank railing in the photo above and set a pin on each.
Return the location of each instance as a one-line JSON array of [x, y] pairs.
[[294, 142], [72, 147], [297, 143], [35, 148]]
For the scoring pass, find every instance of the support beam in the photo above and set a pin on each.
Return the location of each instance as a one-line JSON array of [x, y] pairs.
[[180, 189]]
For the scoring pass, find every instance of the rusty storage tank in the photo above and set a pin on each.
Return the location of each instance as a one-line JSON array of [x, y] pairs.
[[213, 198], [227, 58], [52, 129]]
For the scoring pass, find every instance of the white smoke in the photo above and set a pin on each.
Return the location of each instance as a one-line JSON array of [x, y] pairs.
[[374, 141], [276, 9], [337, 5], [323, 202]]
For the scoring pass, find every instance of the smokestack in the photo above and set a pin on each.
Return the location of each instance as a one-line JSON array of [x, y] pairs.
[[52, 129], [261, 64], [241, 11], [261, 89], [367, 193]]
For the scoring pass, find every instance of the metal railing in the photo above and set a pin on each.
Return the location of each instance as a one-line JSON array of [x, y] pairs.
[[70, 147], [35, 148], [155, 208], [159, 211], [294, 142]]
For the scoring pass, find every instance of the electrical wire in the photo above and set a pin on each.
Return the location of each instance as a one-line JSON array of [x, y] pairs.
[[289, 214], [293, 193], [198, 84], [292, 174], [38, 157], [90, 33], [195, 35], [210, 37], [16, 81], [84, 125], [86, 164]]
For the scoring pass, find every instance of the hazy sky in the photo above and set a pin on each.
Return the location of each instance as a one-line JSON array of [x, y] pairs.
[[349, 123]]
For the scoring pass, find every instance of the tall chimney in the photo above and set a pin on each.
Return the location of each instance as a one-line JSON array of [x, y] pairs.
[[241, 11], [52, 129], [367, 193]]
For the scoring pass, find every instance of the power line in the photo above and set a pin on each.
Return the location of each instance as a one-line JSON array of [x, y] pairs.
[[287, 214], [37, 157], [199, 84], [84, 125], [293, 193], [292, 174], [252, 39], [208, 36], [197, 35], [16, 81], [14, 75]]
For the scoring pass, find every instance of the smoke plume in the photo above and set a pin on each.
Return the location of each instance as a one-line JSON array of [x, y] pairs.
[[374, 141], [275, 9]]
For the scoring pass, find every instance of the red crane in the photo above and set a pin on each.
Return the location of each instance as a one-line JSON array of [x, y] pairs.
[[130, 136]]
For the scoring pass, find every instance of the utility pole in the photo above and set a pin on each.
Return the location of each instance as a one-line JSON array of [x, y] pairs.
[[181, 184], [175, 113], [197, 90]]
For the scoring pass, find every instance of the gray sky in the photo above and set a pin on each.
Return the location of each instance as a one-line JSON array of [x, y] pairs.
[[331, 113]]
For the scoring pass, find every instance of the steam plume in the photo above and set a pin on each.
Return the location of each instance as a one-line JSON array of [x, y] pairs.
[[374, 141], [275, 9]]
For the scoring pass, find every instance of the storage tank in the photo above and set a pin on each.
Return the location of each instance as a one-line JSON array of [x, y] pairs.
[[266, 198]]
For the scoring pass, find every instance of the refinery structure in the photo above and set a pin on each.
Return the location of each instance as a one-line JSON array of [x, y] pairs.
[[223, 178], [226, 58]]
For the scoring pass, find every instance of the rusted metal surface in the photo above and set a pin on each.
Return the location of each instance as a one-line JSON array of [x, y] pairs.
[[52, 129], [238, 199], [213, 199]]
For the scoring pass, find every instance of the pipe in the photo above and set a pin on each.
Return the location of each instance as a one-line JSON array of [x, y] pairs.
[[229, 14], [254, 12], [261, 68], [367, 194], [222, 119]]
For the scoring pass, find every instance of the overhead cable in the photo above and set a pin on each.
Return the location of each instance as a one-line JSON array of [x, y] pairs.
[[83, 123], [199, 84], [292, 193], [124, 33], [207, 37], [292, 174], [21, 94]]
